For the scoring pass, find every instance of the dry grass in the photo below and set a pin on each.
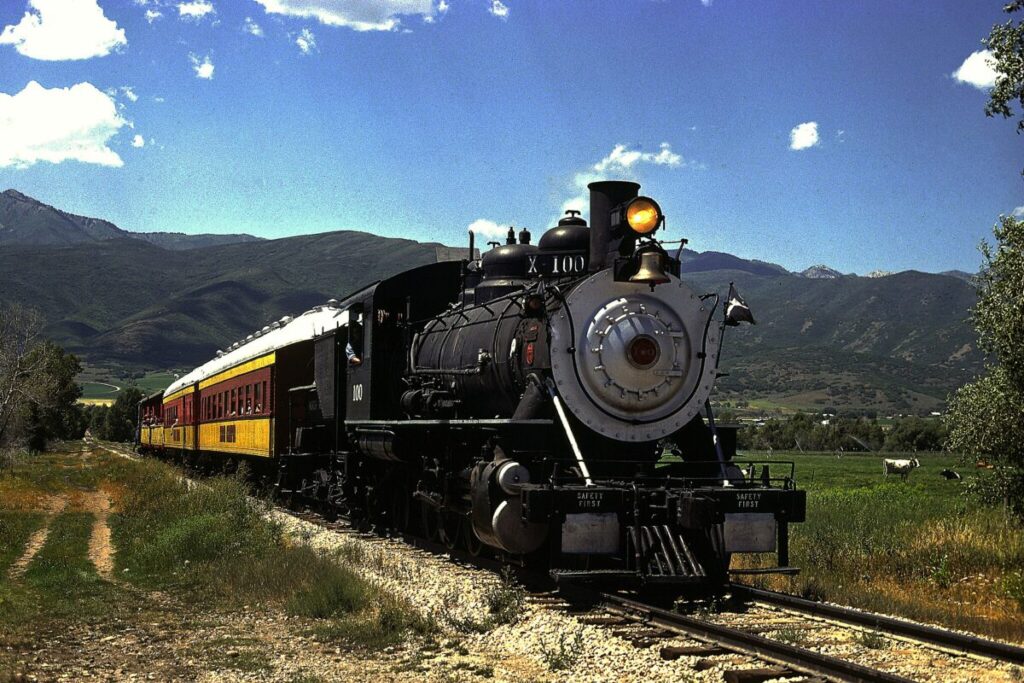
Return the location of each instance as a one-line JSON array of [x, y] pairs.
[[920, 548], [208, 545]]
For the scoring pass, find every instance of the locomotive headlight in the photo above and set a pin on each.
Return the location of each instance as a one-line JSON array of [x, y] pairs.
[[643, 351], [643, 215]]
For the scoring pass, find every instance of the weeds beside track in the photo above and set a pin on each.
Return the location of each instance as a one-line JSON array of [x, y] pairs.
[[922, 549], [90, 541]]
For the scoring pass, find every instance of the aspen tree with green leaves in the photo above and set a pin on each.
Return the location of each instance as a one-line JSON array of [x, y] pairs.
[[986, 417]]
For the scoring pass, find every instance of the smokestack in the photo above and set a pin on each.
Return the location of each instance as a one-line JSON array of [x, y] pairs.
[[604, 196]]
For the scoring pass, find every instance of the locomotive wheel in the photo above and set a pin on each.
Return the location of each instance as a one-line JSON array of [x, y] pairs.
[[363, 515], [377, 511], [398, 514], [451, 529], [474, 545], [430, 522]]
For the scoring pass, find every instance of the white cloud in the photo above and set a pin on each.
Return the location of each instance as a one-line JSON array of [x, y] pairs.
[[251, 27], [153, 14], [803, 136], [442, 9], [360, 15], [55, 30], [706, 3], [203, 67], [138, 141], [58, 124], [621, 163], [575, 203], [622, 157], [306, 41], [488, 228], [977, 70], [1018, 212], [498, 9], [129, 93], [196, 9]]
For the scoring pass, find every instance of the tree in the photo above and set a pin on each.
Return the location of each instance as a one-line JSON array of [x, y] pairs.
[[986, 417], [97, 421], [1006, 42], [19, 329], [999, 314], [38, 392], [123, 417], [56, 394], [915, 434]]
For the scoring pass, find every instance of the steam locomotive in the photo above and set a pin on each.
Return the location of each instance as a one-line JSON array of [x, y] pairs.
[[548, 404]]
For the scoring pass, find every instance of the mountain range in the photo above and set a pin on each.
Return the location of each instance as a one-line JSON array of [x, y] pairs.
[[27, 222], [893, 343]]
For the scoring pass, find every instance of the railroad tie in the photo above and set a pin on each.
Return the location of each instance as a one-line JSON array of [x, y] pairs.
[[758, 675], [677, 651], [773, 628], [603, 620], [643, 633], [737, 660], [546, 600]]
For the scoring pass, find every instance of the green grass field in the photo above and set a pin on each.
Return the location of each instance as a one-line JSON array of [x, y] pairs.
[[817, 472], [100, 385], [919, 548], [99, 390], [155, 381]]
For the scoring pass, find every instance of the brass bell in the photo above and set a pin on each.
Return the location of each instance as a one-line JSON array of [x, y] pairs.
[[652, 269]]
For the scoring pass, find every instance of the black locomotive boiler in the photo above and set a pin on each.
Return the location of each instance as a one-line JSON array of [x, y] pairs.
[[546, 403]]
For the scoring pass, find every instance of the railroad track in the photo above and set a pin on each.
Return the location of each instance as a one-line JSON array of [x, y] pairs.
[[755, 657], [779, 660], [924, 633], [786, 661]]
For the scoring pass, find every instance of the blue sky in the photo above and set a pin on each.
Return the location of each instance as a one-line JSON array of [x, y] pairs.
[[416, 119]]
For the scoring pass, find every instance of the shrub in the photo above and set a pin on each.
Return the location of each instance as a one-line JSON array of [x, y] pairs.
[[1013, 587], [792, 636], [505, 601], [872, 640], [565, 652]]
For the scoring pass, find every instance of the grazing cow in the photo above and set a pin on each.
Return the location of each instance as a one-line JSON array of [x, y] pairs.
[[950, 474], [900, 467]]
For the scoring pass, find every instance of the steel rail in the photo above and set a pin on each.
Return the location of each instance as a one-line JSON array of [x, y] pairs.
[[798, 658], [922, 632]]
